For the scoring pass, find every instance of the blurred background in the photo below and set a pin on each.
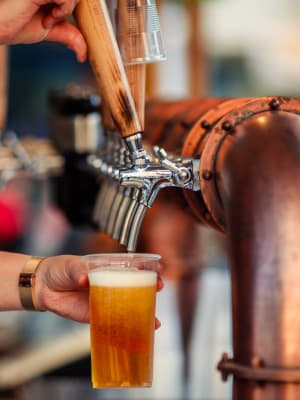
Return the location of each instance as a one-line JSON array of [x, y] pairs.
[[230, 48]]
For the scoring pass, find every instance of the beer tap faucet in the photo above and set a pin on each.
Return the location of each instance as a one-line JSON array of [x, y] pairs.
[[143, 181], [150, 178], [144, 175]]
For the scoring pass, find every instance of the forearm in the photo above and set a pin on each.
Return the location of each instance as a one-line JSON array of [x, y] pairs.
[[11, 264]]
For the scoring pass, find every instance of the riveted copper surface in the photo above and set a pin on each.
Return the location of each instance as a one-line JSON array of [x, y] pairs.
[[194, 146], [261, 107], [168, 123], [220, 140], [177, 128], [205, 129], [159, 113]]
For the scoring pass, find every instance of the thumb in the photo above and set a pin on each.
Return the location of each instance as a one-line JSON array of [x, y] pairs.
[[68, 34], [76, 271], [63, 273]]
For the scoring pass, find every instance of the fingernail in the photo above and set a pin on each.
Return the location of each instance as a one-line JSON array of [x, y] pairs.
[[81, 58], [48, 24]]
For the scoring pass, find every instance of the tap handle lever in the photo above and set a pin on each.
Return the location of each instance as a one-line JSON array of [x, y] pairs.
[[94, 21], [182, 173]]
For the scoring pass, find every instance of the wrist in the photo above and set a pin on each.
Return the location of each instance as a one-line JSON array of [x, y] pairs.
[[27, 285]]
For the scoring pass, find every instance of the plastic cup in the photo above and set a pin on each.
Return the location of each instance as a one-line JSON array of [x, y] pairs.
[[122, 318], [138, 32]]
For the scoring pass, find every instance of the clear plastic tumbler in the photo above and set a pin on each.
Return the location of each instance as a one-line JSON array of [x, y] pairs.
[[138, 32], [122, 318]]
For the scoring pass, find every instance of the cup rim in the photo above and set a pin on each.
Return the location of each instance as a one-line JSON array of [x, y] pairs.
[[146, 256]]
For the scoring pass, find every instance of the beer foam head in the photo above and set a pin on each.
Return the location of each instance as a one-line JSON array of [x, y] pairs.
[[118, 276]]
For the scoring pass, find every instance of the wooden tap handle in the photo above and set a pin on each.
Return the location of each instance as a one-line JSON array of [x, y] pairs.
[[136, 75], [93, 20], [106, 117]]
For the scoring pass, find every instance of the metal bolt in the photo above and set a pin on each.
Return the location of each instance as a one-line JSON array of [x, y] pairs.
[[274, 104], [224, 372], [205, 124], [227, 126], [256, 362], [207, 175], [184, 175]]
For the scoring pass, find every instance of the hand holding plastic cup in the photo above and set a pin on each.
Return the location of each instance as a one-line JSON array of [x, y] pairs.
[[122, 318]]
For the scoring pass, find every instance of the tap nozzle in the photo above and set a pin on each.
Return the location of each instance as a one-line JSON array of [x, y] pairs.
[[140, 182]]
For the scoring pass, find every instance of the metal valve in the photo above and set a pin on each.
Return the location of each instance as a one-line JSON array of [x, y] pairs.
[[182, 173], [132, 189]]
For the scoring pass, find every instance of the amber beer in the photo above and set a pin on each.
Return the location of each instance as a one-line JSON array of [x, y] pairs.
[[122, 317]]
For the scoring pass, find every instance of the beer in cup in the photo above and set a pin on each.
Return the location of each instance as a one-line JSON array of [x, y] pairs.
[[122, 318]]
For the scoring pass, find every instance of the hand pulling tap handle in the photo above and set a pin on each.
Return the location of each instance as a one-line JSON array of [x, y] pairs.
[[94, 22]]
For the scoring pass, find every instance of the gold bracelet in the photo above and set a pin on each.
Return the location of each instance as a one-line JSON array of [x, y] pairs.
[[27, 283]]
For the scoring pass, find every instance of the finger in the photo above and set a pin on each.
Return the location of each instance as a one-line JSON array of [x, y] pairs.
[[49, 21], [76, 271], [159, 284], [157, 323], [69, 35], [160, 267], [60, 12], [84, 281], [64, 8], [72, 305], [52, 15]]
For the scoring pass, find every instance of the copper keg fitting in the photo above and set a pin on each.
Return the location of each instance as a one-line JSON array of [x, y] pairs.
[[210, 140], [206, 129]]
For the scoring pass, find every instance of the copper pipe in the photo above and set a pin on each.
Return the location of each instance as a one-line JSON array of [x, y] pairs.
[[250, 163], [249, 173], [261, 202], [168, 123], [202, 128], [203, 204]]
